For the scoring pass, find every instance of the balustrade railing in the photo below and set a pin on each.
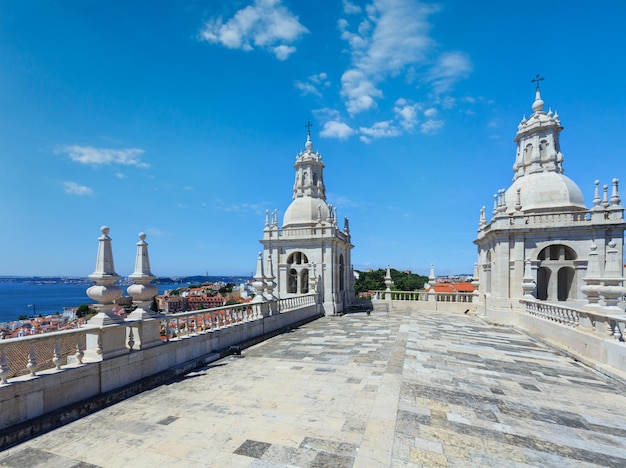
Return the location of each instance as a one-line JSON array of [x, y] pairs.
[[30, 354], [610, 325], [416, 296], [33, 353], [196, 322]]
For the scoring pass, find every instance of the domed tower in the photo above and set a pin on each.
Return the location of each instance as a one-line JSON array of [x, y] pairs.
[[542, 219], [309, 253]]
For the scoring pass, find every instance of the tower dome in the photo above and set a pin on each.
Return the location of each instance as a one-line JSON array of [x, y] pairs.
[[539, 183], [309, 195]]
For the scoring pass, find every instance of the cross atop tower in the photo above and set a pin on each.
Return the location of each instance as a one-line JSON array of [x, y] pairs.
[[309, 125], [537, 79]]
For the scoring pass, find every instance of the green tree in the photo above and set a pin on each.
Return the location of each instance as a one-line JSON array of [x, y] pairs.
[[375, 280], [84, 310]]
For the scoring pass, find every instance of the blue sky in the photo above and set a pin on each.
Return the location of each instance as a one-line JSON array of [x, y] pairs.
[[183, 119]]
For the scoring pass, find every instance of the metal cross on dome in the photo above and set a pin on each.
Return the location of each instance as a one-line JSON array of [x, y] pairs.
[[537, 79], [309, 125]]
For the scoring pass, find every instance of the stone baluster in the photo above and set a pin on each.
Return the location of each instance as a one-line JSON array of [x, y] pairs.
[[5, 370], [143, 291], [105, 338], [32, 362], [79, 352], [57, 357]]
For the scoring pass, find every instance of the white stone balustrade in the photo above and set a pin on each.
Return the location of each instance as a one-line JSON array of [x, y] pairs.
[[48, 350], [596, 321], [424, 296], [43, 373]]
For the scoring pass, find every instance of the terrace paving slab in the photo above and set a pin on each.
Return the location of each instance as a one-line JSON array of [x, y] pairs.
[[399, 389]]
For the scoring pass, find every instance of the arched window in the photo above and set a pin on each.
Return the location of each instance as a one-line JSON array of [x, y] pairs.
[[543, 278], [298, 276], [556, 273], [565, 281]]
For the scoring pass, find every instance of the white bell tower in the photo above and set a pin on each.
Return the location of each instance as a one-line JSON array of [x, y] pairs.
[[310, 253]]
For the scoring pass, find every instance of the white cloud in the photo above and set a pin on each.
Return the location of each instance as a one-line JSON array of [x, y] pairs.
[[350, 8], [101, 156], [120, 175], [394, 35], [431, 112], [450, 68], [73, 188], [336, 129], [379, 130], [266, 24], [406, 113], [156, 232], [313, 85], [431, 126]]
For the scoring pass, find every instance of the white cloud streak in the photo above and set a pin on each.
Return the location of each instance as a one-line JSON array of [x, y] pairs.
[[265, 24], [72, 188], [394, 35], [337, 129], [313, 85], [102, 156]]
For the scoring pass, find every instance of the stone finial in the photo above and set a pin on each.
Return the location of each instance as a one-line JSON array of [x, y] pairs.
[[313, 278], [142, 291], [593, 278], [495, 204], [267, 219], [612, 280], [388, 280], [104, 292], [605, 196], [596, 196], [518, 200], [259, 279], [483, 218], [431, 276], [270, 284], [615, 200], [104, 259], [346, 225]]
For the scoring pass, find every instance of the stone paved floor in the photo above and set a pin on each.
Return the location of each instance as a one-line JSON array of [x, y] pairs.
[[404, 389]]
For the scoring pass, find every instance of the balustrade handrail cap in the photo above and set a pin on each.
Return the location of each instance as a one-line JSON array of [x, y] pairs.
[[40, 336]]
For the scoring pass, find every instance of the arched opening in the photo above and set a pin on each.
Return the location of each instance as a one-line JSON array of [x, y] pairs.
[[543, 278], [556, 273], [297, 258], [304, 281], [565, 281], [292, 281]]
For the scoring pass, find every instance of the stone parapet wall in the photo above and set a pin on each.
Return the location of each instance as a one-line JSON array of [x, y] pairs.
[[27, 397]]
